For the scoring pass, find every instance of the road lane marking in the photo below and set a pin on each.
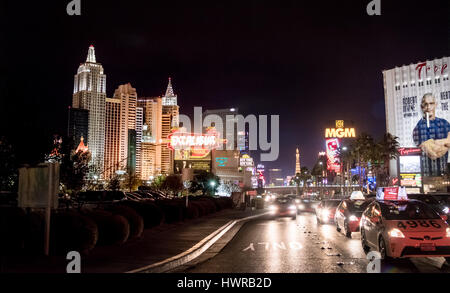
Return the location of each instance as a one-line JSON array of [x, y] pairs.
[[275, 246]]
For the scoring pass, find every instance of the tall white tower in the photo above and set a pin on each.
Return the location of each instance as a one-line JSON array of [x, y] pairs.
[[89, 93]]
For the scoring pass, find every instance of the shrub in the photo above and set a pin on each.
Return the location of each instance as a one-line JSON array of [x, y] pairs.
[[13, 226], [34, 242], [112, 229], [192, 212], [135, 220], [71, 230], [202, 211], [150, 213], [173, 212]]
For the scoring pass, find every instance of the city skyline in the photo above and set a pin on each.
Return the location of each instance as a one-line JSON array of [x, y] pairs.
[[249, 78]]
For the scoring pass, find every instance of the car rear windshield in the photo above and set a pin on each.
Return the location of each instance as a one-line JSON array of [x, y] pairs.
[[358, 205], [406, 211], [425, 198], [332, 203], [285, 200]]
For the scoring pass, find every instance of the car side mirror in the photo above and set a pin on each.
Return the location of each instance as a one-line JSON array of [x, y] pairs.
[[444, 217]]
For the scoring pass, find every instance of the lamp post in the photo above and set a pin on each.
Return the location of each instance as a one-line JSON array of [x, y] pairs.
[[212, 183]]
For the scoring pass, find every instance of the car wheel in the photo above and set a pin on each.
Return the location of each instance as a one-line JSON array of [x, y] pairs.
[[294, 217], [348, 233], [383, 250], [447, 259], [318, 220], [337, 227], [365, 247]]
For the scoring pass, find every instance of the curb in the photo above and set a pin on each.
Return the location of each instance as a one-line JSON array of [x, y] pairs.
[[194, 252]]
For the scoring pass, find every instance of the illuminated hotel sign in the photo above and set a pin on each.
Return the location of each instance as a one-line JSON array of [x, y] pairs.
[[246, 161], [180, 140], [339, 131]]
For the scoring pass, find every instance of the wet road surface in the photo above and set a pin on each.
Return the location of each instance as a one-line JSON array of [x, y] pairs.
[[284, 245]]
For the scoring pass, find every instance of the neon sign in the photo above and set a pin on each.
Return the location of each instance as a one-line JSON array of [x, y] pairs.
[[339, 131], [180, 140], [221, 161]]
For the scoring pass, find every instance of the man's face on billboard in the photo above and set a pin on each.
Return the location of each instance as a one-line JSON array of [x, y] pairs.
[[429, 106]]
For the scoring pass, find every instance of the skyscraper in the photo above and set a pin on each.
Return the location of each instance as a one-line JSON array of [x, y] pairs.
[[89, 93], [297, 162], [128, 124], [112, 138], [150, 160], [169, 120]]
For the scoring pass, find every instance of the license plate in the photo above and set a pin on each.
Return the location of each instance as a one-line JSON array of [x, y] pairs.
[[427, 247]]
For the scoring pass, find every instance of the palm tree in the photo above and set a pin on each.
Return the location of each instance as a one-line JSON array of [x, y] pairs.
[[387, 150], [363, 149]]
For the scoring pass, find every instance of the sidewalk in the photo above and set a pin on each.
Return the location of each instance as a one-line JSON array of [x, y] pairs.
[[156, 245]]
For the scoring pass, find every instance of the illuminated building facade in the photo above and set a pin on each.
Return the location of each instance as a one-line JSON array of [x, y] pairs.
[[127, 96], [297, 162], [275, 177], [405, 89], [150, 155], [112, 138], [89, 93], [169, 120]]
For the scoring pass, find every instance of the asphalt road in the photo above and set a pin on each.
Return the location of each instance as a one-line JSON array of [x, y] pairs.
[[285, 245]]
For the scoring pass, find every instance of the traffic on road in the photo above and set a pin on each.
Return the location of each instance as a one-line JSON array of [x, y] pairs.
[[389, 232]]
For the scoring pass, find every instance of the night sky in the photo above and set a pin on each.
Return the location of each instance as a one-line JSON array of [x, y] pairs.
[[308, 61]]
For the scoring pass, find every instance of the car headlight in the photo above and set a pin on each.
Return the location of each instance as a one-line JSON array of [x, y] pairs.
[[353, 218], [273, 208], [325, 213], [301, 207], [446, 210], [267, 198], [297, 201], [396, 233], [292, 207], [447, 232]]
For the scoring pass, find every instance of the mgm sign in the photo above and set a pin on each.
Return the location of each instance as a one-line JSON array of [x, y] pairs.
[[339, 131]]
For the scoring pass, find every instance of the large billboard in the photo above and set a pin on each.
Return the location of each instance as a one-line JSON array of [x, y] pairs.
[[332, 147], [417, 110]]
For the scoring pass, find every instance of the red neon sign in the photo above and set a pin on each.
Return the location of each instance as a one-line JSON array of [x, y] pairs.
[[410, 151], [182, 141]]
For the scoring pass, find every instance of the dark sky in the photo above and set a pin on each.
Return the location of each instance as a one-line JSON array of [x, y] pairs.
[[310, 62]]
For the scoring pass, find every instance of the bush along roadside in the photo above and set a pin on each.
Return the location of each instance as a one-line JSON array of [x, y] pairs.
[[107, 224]]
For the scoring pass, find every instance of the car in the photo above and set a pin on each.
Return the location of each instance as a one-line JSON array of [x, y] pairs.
[[404, 229], [439, 206], [348, 214], [326, 209], [307, 205], [283, 206]]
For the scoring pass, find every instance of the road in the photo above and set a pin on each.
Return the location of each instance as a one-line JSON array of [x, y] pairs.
[[285, 245]]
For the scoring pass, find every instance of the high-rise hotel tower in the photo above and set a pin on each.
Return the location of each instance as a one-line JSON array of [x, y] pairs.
[[89, 93]]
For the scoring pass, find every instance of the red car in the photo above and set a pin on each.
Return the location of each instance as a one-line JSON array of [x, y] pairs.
[[326, 209], [348, 214]]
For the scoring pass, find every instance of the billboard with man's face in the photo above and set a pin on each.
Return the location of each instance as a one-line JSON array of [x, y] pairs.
[[417, 110]]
